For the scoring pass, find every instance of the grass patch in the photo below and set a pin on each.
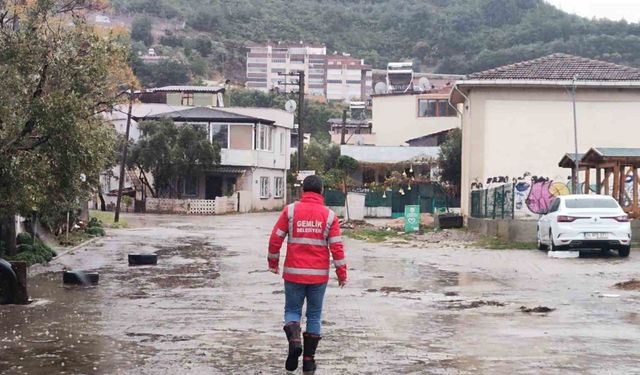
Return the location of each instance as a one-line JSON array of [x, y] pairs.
[[75, 238], [371, 235], [106, 217], [493, 243]]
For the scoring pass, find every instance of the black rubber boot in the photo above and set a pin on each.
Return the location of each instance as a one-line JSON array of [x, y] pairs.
[[292, 329], [308, 359]]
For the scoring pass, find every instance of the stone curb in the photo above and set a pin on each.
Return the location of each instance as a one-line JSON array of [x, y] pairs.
[[67, 251]]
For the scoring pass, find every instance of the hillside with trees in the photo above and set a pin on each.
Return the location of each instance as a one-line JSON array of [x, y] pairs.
[[446, 36]]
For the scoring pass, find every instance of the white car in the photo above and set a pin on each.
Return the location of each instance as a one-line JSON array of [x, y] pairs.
[[585, 222]]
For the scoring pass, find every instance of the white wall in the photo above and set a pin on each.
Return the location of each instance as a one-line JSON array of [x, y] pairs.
[[251, 182], [395, 119], [507, 132]]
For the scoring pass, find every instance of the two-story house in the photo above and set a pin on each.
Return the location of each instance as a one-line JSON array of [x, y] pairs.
[[254, 145]]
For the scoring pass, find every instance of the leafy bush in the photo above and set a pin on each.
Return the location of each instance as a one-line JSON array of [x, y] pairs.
[[94, 222], [35, 253], [24, 238], [29, 257], [25, 247], [95, 231]]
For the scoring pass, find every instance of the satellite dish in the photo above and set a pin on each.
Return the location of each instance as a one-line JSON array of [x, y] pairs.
[[424, 84], [290, 106], [380, 88]]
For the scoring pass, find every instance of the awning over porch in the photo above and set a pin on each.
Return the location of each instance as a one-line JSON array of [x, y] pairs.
[[390, 154], [227, 170]]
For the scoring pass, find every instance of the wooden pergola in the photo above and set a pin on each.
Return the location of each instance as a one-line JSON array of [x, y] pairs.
[[612, 168]]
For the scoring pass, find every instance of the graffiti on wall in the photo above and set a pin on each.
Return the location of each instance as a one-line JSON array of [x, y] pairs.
[[541, 192], [533, 195]]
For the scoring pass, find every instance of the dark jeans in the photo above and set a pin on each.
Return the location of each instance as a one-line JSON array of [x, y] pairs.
[[295, 295]]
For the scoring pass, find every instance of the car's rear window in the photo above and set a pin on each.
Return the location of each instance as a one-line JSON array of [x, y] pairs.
[[591, 203]]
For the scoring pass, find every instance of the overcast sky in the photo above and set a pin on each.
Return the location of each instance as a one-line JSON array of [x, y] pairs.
[[612, 9]]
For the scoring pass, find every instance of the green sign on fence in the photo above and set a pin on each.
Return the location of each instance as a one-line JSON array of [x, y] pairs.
[[411, 218]]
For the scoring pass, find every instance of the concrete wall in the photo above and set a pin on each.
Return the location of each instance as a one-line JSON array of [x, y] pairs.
[[395, 119], [507, 230], [521, 230], [199, 99], [510, 131]]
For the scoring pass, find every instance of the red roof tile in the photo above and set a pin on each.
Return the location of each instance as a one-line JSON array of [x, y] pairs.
[[560, 67]]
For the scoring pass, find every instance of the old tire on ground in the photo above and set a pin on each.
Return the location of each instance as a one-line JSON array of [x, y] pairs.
[[540, 245], [624, 251], [80, 278], [143, 259], [8, 283]]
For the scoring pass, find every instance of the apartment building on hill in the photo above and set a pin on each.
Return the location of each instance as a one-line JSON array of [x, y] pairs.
[[338, 77]]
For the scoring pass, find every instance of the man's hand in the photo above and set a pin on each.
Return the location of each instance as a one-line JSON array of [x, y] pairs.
[[275, 270], [342, 283]]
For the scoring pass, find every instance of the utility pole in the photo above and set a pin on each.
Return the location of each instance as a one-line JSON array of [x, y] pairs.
[[300, 121], [574, 185], [300, 75], [344, 127], [116, 218]]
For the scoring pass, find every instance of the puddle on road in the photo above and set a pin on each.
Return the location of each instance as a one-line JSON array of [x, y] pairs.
[[58, 333], [66, 329], [421, 277]]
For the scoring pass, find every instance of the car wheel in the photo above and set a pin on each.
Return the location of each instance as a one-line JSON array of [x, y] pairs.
[[540, 245], [624, 251], [552, 247]]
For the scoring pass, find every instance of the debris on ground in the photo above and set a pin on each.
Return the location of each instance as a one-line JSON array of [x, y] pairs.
[[448, 235], [426, 220], [604, 295], [394, 289], [354, 224], [539, 309], [563, 254], [633, 284], [451, 294], [474, 305]]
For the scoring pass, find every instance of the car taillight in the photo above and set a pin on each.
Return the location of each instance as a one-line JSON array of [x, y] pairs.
[[566, 219], [622, 218]]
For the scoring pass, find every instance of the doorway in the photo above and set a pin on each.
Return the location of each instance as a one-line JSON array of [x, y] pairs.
[[213, 187]]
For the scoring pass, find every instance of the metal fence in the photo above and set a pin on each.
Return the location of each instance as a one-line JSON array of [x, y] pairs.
[[429, 196], [493, 203]]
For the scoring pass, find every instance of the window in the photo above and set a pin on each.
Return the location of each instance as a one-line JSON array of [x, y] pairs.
[[187, 98], [190, 186], [256, 60], [279, 187], [590, 203], [278, 60], [264, 187], [265, 135], [435, 108], [219, 134]]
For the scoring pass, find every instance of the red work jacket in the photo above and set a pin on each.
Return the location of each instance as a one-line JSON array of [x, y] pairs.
[[313, 231]]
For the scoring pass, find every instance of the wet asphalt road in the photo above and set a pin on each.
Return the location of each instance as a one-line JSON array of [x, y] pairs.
[[209, 307]]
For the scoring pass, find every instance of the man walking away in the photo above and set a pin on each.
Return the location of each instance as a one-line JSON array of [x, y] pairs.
[[313, 231]]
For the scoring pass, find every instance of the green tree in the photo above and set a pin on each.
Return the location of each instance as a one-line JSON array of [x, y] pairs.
[[141, 30], [170, 153], [55, 81], [166, 72], [450, 158]]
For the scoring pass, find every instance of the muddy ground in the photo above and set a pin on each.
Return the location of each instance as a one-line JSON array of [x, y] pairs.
[[209, 307]]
